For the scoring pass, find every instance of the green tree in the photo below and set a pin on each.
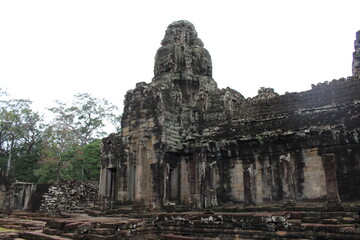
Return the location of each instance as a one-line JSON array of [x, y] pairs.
[[84, 161], [71, 142], [56, 141], [66, 148], [20, 137], [85, 118]]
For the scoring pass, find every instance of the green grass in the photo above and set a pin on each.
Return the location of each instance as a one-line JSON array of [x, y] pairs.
[[6, 230]]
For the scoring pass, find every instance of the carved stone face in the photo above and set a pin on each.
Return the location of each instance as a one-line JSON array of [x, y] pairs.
[[182, 52], [181, 32]]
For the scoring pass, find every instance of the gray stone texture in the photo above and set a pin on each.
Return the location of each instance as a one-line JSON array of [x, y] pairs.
[[356, 55], [69, 196], [6, 193], [185, 142]]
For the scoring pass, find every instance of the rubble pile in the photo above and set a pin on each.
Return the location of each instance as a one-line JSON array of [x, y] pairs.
[[70, 196]]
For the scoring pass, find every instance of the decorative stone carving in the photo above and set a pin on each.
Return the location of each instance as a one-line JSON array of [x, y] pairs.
[[186, 143], [182, 52], [265, 93]]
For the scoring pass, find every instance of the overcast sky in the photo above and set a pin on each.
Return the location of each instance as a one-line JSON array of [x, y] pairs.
[[54, 49]]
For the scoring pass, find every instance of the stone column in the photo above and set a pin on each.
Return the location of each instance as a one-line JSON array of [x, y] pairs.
[[287, 181], [248, 185], [332, 193]]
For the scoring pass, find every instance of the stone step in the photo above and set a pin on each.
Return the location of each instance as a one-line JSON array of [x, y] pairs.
[[338, 236], [350, 220], [9, 235], [24, 223], [94, 213], [329, 217], [69, 235], [238, 234], [103, 231], [175, 237], [344, 220], [60, 224], [114, 225], [98, 237], [50, 231], [122, 210], [329, 221], [317, 227], [37, 235], [320, 215], [72, 226], [315, 235]]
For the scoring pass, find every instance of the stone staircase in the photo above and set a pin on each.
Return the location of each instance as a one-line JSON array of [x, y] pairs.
[[265, 225], [326, 225], [195, 225], [118, 210]]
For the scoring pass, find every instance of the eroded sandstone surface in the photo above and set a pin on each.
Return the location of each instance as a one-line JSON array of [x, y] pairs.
[[185, 142]]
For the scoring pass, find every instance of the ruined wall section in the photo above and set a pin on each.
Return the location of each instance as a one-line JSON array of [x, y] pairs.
[[189, 108], [322, 96], [110, 157], [6, 192], [186, 142], [323, 106], [140, 146], [296, 135], [69, 196]]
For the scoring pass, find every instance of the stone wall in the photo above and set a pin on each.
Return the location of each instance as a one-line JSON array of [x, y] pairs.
[[186, 142], [37, 196], [6, 192], [22, 196], [70, 196]]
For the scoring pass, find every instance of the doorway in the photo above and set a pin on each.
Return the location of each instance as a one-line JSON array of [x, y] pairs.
[[111, 183]]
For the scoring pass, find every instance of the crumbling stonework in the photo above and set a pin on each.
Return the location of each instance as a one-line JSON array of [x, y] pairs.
[[185, 142], [6, 192], [16, 195], [23, 192], [70, 196]]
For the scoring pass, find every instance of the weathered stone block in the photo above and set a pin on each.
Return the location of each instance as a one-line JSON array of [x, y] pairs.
[[185, 142]]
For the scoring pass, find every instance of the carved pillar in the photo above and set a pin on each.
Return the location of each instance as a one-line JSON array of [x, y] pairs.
[[210, 199], [332, 193], [287, 181], [248, 185]]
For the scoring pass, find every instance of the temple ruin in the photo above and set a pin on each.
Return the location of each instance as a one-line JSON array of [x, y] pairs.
[[185, 142], [197, 162]]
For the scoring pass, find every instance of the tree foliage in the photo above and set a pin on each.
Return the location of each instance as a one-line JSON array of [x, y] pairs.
[[85, 118], [68, 147], [20, 137]]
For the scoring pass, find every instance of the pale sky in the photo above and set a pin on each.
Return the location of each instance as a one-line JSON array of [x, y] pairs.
[[52, 50]]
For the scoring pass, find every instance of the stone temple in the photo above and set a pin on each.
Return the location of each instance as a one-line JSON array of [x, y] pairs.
[[186, 143]]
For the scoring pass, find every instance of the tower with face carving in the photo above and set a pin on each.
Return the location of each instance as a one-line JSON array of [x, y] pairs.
[[187, 143]]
